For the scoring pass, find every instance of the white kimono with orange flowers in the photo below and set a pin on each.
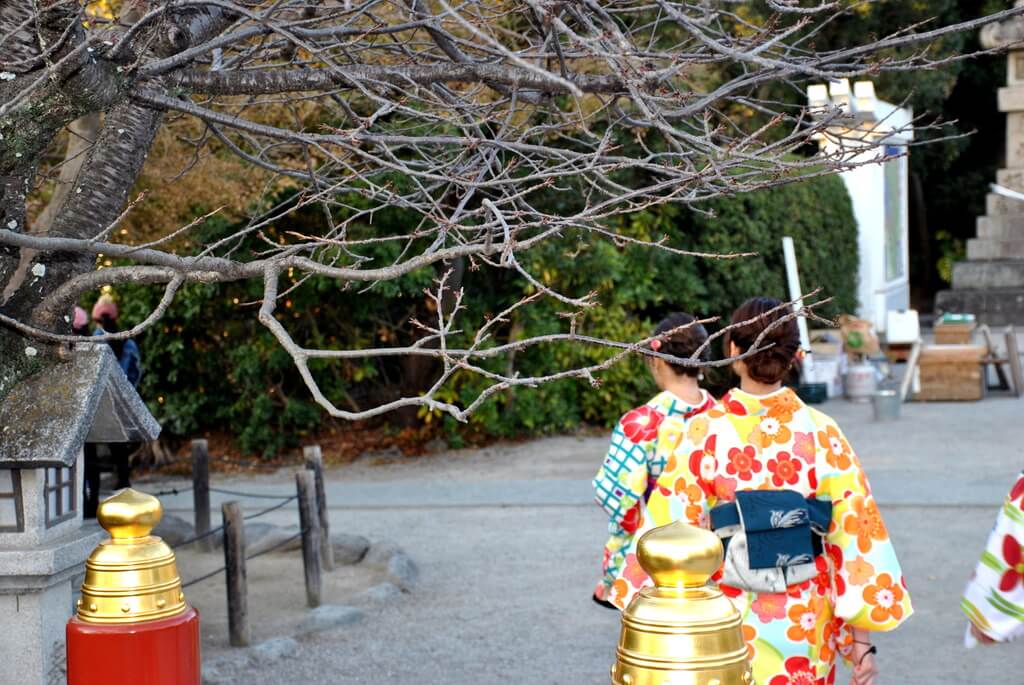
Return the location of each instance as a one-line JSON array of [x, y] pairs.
[[629, 470], [777, 442]]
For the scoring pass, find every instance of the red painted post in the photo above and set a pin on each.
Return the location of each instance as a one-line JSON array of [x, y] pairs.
[[133, 626], [161, 652]]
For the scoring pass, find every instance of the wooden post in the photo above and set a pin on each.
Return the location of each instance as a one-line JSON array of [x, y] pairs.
[[310, 526], [315, 463], [234, 574], [201, 490]]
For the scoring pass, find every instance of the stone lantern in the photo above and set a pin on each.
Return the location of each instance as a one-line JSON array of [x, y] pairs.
[[45, 420]]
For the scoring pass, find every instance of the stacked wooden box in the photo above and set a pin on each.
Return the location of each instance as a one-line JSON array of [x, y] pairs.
[[954, 333], [951, 373]]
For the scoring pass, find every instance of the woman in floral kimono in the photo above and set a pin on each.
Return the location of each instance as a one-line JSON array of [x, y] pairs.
[[994, 598], [630, 468], [762, 437]]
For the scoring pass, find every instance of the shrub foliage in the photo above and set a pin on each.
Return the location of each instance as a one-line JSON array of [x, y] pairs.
[[210, 365]]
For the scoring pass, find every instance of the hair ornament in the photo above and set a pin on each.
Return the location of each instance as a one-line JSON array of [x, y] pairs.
[[800, 354]]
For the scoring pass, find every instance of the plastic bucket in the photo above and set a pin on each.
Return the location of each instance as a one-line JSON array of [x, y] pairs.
[[886, 404]]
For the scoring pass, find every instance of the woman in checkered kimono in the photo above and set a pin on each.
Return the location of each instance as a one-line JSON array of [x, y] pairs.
[[630, 468]]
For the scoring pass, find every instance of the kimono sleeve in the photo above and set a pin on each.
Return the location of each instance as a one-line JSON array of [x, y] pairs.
[[870, 590], [621, 482], [994, 597]]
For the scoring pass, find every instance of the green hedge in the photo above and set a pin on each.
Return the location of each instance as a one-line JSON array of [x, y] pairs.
[[210, 365]]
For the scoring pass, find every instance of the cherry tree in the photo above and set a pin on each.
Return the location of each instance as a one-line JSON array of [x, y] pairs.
[[468, 114]]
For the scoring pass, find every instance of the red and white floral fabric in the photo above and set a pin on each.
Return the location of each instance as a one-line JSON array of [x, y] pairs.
[[994, 598]]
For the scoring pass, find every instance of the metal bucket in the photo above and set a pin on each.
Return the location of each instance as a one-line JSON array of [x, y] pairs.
[[886, 405], [861, 382]]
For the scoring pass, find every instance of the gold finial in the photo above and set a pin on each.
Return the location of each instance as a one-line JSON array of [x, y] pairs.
[[682, 631], [679, 555], [129, 514], [132, 577]]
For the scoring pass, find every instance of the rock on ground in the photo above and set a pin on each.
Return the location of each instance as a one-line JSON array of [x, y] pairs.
[[329, 617], [381, 594], [348, 548], [174, 529], [227, 669]]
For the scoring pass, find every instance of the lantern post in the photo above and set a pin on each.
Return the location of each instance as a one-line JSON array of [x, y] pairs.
[[133, 625]]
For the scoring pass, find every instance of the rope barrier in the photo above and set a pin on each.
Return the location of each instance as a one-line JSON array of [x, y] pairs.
[[249, 495], [215, 572], [277, 546], [203, 577], [197, 538], [270, 509], [212, 531], [172, 491]]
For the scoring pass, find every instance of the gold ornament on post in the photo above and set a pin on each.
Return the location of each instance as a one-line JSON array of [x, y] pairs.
[[133, 576], [682, 631]]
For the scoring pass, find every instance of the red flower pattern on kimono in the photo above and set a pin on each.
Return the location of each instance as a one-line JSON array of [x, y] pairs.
[[1018, 491], [785, 470], [632, 520], [1012, 556], [641, 424], [798, 672], [769, 606], [743, 463]]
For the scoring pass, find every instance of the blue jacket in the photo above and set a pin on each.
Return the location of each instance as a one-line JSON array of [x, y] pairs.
[[130, 359]]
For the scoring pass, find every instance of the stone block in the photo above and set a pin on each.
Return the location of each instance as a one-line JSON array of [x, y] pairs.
[[32, 650], [1011, 178], [987, 248], [998, 205], [1003, 227], [1011, 99], [1000, 307], [1015, 138], [990, 274]]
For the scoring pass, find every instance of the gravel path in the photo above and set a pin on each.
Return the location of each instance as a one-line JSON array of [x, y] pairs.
[[509, 544]]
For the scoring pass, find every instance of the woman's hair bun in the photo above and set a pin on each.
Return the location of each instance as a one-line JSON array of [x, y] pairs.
[[683, 343], [782, 340]]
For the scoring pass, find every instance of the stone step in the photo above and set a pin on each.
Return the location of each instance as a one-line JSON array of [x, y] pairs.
[[1001, 227], [985, 275], [998, 205], [1001, 307], [989, 248]]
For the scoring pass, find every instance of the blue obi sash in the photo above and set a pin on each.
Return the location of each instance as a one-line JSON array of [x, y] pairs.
[[782, 527]]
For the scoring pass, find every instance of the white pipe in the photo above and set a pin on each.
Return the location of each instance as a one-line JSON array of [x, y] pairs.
[[1006, 192], [795, 293]]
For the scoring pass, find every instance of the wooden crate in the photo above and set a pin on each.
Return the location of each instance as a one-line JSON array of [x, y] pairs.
[[954, 333], [951, 373]]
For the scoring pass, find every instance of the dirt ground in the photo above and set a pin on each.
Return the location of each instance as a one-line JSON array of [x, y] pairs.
[[277, 594]]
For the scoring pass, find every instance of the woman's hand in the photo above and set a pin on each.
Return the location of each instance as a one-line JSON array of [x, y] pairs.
[[865, 670]]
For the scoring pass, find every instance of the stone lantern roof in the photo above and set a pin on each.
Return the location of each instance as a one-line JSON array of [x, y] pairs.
[[84, 397]]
